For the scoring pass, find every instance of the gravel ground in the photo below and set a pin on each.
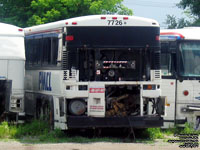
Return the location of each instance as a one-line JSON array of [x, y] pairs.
[[158, 145]]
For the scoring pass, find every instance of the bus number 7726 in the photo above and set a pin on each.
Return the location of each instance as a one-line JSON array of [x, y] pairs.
[[115, 22]]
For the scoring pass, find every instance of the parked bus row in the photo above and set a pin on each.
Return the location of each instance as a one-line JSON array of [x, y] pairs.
[[103, 71]]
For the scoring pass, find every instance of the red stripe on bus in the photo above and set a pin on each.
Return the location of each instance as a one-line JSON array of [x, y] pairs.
[[172, 33]]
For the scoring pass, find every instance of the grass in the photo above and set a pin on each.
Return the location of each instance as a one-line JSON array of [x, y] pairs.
[[39, 131], [7, 131], [154, 133], [158, 133]]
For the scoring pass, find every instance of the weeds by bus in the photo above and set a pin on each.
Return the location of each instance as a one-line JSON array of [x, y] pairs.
[[94, 72], [12, 63], [180, 53]]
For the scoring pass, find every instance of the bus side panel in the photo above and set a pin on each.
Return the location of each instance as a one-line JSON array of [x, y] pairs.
[[12, 47], [45, 81], [168, 87], [16, 74], [186, 102], [3, 70]]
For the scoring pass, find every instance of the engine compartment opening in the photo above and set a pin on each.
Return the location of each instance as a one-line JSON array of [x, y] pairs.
[[122, 100]]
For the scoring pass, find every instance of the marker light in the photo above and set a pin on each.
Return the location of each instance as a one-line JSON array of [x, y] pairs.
[[166, 103], [157, 38], [103, 18], [69, 38], [186, 93], [125, 18], [20, 30], [74, 23], [66, 23], [114, 18]]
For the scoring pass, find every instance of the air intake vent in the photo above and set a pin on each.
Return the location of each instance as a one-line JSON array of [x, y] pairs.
[[157, 60], [157, 74], [73, 73], [64, 60]]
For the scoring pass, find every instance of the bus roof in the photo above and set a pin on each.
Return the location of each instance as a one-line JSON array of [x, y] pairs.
[[187, 33], [93, 20], [10, 30]]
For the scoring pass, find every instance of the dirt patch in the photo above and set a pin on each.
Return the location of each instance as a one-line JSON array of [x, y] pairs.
[[157, 145]]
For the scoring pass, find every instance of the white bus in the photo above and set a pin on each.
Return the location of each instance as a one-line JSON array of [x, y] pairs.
[[180, 55], [12, 71], [94, 72]]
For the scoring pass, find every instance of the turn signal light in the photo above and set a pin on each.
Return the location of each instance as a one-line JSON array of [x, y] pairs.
[[149, 87]]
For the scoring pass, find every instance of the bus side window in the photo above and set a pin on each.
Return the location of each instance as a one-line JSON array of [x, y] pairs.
[[54, 51], [166, 64], [41, 51], [28, 51], [166, 60], [46, 51]]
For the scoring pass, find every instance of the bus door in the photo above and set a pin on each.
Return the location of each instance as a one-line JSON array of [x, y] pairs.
[[168, 83]]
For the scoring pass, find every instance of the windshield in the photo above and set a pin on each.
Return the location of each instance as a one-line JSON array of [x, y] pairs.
[[190, 57]]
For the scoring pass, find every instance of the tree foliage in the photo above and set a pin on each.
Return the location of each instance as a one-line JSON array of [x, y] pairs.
[[194, 8], [32, 12], [174, 23], [191, 9], [193, 5], [15, 12]]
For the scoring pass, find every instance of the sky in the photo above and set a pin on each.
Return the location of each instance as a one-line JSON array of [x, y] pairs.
[[155, 9]]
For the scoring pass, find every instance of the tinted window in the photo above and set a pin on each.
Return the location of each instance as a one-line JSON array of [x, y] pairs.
[[190, 58], [41, 51]]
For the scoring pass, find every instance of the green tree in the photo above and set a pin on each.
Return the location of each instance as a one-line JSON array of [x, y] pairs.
[[33, 12], [15, 12], [193, 7], [174, 23]]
